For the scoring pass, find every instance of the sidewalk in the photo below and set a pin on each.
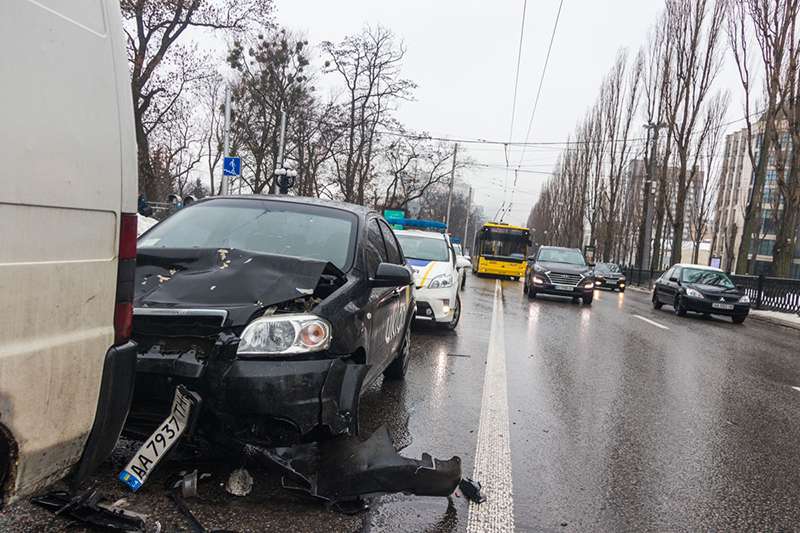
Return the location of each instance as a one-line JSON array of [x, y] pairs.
[[789, 320]]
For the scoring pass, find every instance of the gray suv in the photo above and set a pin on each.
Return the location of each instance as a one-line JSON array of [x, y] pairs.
[[559, 271]]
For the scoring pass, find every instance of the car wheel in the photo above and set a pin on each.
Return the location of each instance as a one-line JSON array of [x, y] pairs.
[[397, 369], [622, 290], [678, 306], [456, 316], [464, 281], [525, 287], [656, 303], [587, 300], [531, 293], [738, 319]]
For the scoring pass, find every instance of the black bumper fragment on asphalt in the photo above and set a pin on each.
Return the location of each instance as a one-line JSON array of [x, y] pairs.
[[91, 509], [345, 469]]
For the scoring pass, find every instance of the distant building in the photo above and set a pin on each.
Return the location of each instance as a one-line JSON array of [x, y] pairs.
[[735, 188]]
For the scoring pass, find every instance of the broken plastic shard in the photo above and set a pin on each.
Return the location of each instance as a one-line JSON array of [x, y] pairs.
[[471, 490], [239, 482], [91, 508], [345, 469]]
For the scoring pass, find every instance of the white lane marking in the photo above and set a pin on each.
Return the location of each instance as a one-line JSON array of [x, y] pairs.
[[796, 388], [656, 324], [493, 453]]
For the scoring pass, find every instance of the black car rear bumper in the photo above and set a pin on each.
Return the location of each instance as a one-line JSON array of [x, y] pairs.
[[706, 306], [275, 402]]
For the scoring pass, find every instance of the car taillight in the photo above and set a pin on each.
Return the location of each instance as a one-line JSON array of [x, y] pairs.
[[126, 271]]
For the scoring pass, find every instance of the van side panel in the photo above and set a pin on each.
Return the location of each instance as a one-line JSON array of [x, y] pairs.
[[61, 195]]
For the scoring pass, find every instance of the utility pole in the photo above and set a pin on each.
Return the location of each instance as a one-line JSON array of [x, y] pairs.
[[466, 221], [223, 188], [646, 226], [279, 164], [452, 181]]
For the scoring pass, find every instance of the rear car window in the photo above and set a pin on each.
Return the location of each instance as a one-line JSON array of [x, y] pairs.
[[392, 248], [263, 226]]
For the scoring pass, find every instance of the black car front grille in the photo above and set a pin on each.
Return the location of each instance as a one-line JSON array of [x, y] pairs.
[[559, 278]]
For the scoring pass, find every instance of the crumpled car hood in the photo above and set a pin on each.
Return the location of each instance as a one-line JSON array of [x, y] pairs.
[[241, 282]]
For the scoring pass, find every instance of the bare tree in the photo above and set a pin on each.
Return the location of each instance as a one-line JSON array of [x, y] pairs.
[[772, 24], [695, 28], [161, 68], [705, 191], [369, 65], [273, 80]]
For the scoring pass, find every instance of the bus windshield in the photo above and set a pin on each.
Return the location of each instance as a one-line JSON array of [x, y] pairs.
[[503, 243]]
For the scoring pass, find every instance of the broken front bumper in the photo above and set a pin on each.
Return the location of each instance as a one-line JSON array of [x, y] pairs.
[[266, 401]]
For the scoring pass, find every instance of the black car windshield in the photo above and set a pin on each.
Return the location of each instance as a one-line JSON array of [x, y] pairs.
[[706, 277], [561, 255], [264, 226], [607, 267], [424, 248]]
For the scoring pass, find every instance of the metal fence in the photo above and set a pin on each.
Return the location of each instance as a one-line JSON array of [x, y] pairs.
[[771, 294], [766, 293]]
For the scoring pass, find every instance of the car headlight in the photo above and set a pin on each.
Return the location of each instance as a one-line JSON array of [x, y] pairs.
[[693, 293], [285, 334], [744, 299], [538, 280], [589, 285], [442, 281]]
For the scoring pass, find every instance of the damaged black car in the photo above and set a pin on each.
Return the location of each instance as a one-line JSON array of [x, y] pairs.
[[268, 317]]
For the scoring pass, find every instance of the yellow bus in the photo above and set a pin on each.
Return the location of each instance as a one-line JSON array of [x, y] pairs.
[[500, 250]]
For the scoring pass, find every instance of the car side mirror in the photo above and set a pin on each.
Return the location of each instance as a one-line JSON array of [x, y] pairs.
[[463, 262], [531, 258], [673, 279], [391, 275]]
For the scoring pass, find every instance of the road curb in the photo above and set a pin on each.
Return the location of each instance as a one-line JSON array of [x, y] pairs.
[[775, 321]]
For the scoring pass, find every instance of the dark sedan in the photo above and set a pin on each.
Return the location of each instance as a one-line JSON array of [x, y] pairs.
[[561, 272], [278, 313], [700, 289], [609, 276]]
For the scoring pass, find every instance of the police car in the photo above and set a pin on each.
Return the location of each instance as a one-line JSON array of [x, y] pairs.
[[433, 260]]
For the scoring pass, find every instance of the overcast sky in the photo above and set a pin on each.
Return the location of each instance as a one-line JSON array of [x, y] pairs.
[[462, 54]]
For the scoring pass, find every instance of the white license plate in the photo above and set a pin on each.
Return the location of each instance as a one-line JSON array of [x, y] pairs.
[[727, 307], [564, 287], [159, 443]]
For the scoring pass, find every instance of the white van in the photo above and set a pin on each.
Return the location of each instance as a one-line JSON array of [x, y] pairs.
[[67, 239]]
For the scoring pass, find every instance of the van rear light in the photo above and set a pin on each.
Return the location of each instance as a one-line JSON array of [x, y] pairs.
[[126, 272]]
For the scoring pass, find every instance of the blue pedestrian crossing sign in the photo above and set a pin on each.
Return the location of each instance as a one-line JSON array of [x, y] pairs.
[[232, 166]]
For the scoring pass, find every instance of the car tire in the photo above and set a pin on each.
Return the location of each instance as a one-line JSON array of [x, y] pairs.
[[464, 281], [656, 303], [587, 300], [622, 290], [531, 293], [678, 306], [525, 287], [399, 366], [738, 319], [456, 316]]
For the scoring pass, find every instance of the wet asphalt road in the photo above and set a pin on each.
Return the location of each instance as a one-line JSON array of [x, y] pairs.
[[616, 424]]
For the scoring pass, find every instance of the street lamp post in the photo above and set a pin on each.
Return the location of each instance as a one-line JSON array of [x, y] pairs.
[[285, 177]]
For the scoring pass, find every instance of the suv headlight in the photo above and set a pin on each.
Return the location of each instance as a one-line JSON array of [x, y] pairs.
[[744, 299], [285, 334], [442, 281], [694, 293]]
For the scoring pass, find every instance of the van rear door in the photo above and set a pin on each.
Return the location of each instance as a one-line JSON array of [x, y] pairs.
[[69, 174]]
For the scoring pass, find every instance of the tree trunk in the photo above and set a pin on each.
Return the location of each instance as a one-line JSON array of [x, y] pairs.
[[751, 215]]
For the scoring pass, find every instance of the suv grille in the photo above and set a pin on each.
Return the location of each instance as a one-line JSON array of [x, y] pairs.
[[564, 279]]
